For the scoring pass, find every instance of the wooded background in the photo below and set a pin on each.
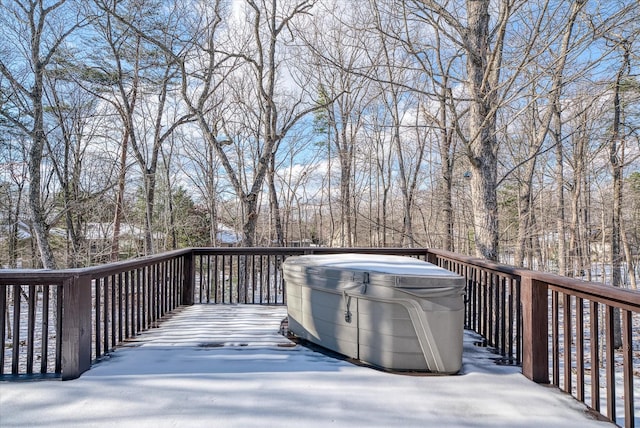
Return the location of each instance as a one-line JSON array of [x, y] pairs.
[[507, 129]]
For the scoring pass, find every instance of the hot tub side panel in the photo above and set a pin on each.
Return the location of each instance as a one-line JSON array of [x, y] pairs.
[[387, 337], [319, 317]]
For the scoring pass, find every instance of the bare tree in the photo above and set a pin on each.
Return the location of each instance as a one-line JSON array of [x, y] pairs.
[[13, 179], [484, 63], [392, 74], [74, 126], [42, 27], [147, 87], [541, 125], [340, 67], [617, 160]]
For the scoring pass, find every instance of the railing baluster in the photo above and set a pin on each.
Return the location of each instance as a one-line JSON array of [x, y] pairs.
[[148, 311], [209, 282], [139, 300], [177, 286], [555, 337], [229, 283], [216, 276], [165, 287], [276, 283], [199, 261], [160, 290], [567, 335], [512, 321], [31, 327], [280, 282], [253, 278], [242, 277], [3, 325], [127, 306], [15, 351], [239, 279], [503, 315], [151, 295], [261, 278], [162, 286], [482, 306], [475, 304], [467, 298], [269, 279], [609, 355], [98, 310], [105, 314], [594, 344], [172, 274], [114, 305], [175, 281], [519, 323], [120, 312], [490, 310], [580, 349], [166, 292], [224, 279], [59, 296], [154, 294], [44, 360], [627, 364]]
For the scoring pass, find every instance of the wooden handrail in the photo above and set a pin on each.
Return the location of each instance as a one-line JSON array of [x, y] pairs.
[[603, 292]]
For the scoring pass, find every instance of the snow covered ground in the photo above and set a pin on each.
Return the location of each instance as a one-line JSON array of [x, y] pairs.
[[227, 366]]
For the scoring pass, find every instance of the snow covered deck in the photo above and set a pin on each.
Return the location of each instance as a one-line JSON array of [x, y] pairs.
[[228, 366]]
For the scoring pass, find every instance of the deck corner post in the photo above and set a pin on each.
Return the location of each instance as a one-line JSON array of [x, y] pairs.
[[535, 311], [188, 280], [432, 258], [76, 326]]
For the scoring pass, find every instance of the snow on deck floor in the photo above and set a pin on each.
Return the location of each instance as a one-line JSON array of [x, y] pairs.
[[227, 366]]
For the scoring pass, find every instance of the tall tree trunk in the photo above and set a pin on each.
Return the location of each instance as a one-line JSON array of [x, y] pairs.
[[212, 204], [173, 233], [542, 129], [525, 214], [560, 211], [273, 203], [45, 31], [574, 229], [119, 208], [445, 144], [150, 192], [616, 159], [40, 226], [345, 158], [14, 228], [482, 126], [629, 258]]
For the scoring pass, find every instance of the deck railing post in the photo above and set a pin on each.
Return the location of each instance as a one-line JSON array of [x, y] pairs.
[[535, 352], [188, 280], [432, 258], [76, 326]]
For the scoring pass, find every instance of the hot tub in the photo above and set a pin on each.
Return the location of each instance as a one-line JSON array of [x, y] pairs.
[[394, 312]]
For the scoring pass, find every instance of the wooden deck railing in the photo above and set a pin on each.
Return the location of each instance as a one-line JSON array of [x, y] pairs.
[[65, 319], [560, 330]]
